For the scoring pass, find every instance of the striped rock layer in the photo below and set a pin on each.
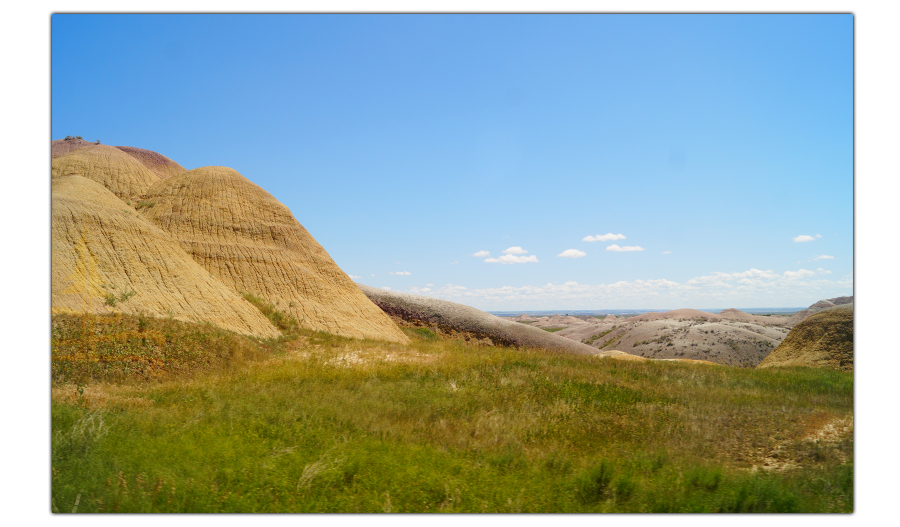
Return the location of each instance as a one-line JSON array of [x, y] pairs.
[[251, 242], [102, 248], [188, 244]]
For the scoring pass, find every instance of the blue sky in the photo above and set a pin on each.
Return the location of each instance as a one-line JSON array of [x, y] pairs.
[[719, 146]]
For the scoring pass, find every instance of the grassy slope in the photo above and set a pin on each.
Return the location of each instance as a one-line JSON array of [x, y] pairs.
[[330, 424]]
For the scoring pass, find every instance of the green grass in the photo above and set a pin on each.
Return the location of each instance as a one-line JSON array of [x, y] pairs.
[[321, 423], [553, 330]]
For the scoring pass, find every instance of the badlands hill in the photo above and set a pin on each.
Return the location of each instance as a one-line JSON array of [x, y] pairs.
[[452, 320], [458, 320], [731, 337], [821, 305], [102, 248], [824, 339], [251, 242], [134, 232]]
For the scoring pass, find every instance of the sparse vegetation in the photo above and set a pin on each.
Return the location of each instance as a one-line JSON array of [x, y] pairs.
[[598, 336], [321, 423], [613, 341], [285, 323]]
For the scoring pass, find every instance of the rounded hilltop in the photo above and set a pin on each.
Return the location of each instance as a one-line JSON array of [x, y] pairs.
[[191, 245], [157, 163]]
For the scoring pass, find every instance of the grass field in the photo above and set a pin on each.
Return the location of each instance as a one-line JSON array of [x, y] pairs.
[[156, 415]]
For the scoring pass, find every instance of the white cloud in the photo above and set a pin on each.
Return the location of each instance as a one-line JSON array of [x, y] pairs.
[[627, 248], [454, 263], [799, 274], [608, 237], [482, 254], [515, 250], [373, 275], [667, 252], [354, 277], [401, 273], [751, 276], [749, 288], [572, 253], [512, 259], [805, 238], [430, 285], [823, 257], [823, 271]]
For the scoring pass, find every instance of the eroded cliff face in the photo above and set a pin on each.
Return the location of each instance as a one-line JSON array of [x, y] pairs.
[[103, 248], [244, 237], [824, 339]]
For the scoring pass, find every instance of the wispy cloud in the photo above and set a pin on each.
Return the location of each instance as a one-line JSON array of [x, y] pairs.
[[482, 254], [627, 248], [401, 273], [823, 257], [799, 273], [572, 253], [514, 250], [748, 288], [667, 252], [608, 237], [513, 259], [805, 238]]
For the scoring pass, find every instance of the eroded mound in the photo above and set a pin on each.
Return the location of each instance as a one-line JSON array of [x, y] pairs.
[[107, 258], [159, 164], [693, 314], [123, 175], [243, 236], [823, 340], [61, 147], [450, 316], [821, 305]]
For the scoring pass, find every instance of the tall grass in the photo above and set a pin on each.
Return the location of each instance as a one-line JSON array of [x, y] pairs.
[[323, 423]]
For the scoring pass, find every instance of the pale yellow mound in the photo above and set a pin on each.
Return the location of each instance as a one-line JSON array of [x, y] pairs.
[[249, 240], [101, 246], [159, 164], [122, 174], [823, 340]]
